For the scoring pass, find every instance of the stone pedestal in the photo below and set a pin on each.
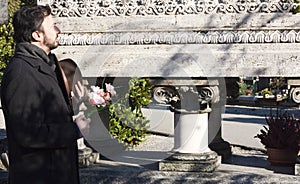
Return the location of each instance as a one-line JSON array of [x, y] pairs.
[[197, 162], [83, 156], [297, 166], [297, 169], [191, 151], [191, 132]]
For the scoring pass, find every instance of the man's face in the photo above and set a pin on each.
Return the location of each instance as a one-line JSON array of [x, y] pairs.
[[50, 32]]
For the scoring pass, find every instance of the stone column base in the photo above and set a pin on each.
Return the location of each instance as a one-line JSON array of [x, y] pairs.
[[297, 169], [83, 156], [197, 162], [297, 166]]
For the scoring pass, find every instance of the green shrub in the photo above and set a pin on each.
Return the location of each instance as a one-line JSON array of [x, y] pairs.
[[296, 9], [127, 122], [6, 36], [244, 89]]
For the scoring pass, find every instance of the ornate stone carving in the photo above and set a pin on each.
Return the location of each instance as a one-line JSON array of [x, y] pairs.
[[165, 95], [210, 37], [208, 94], [186, 97], [92, 8], [194, 98]]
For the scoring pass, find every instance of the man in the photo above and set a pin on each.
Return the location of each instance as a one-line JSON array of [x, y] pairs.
[[42, 137]]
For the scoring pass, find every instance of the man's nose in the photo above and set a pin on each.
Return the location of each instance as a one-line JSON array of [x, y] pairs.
[[57, 29]]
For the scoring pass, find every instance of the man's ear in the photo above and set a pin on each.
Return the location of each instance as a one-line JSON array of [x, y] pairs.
[[37, 36]]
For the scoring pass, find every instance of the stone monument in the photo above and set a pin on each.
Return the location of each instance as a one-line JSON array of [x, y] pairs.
[[182, 42]]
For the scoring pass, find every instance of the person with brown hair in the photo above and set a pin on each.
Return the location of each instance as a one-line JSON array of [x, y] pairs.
[[42, 136]]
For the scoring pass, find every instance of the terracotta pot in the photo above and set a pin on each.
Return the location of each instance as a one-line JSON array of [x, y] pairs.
[[282, 157]]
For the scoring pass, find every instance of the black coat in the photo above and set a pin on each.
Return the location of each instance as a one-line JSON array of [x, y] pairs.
[[42, 137]]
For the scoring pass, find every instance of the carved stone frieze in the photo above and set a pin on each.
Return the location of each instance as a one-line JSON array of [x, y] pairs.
[[92, 8], [209, 37]]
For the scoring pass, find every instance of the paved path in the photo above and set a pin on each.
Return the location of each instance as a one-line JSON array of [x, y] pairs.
[[240, 124]]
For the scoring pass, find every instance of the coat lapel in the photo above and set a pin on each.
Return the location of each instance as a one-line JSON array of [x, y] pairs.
[[42, 66]]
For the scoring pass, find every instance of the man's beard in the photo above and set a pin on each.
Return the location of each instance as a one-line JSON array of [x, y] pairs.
[[51, 45]]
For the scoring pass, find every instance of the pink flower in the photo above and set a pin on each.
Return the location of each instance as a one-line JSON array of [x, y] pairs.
[[107, 97], [96, 99], [110, 89], [98, 96], [97, 89]]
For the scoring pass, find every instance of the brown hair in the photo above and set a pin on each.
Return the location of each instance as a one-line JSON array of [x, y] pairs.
[[27, 20]]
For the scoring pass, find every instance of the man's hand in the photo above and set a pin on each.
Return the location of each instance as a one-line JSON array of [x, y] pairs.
[[83, 124]]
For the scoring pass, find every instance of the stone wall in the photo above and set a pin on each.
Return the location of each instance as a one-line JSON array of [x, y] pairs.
[[188, 38]]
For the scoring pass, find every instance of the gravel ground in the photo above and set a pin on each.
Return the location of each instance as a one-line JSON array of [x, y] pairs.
[[156, 143]]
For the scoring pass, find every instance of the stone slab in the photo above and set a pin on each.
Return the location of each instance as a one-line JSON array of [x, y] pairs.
[[201, 22], [202, 162], [183, 60], [189, 166], [269, 47]]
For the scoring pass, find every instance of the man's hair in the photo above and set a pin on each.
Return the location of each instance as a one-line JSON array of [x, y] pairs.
[[27, 20]]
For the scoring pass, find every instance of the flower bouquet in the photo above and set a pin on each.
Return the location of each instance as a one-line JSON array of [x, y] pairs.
[[98, 99]]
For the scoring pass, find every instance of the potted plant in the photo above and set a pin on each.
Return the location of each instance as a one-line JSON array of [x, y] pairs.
[[281, 138]]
